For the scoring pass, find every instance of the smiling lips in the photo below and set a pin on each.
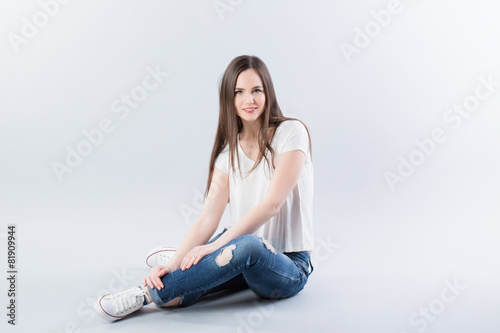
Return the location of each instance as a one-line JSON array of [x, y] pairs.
[[249, 110]]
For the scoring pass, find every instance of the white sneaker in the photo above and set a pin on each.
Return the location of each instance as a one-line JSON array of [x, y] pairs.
[[116, 306], [160, 256]]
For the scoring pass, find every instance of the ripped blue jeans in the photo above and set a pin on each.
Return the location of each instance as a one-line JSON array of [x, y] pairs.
[[244, 262]]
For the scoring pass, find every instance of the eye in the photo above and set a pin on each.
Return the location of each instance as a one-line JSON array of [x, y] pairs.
[[237, 92], [257, 91]]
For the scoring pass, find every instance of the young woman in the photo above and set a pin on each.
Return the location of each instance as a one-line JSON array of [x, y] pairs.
[[270, 194]]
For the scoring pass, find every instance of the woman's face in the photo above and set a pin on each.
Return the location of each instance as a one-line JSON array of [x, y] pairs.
[[249, 97]]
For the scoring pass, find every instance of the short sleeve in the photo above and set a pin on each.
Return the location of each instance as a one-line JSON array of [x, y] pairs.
[[295, 137], [221, 162]]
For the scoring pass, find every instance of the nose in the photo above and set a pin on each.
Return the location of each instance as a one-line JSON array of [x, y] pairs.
[[249, 98]]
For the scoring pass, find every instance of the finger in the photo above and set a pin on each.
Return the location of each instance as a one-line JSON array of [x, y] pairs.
[[198, 259], [190, 263], [150, 284], [185, 262], [163, 272], [157, 282]]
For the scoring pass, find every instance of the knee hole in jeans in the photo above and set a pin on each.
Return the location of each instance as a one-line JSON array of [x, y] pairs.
[[225, 256], [269, 246]]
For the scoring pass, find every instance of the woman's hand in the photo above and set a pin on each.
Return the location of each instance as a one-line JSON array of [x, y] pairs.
[[196, 254], [153, 280]]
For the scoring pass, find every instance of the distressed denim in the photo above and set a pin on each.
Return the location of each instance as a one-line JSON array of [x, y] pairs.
[[250, 262]]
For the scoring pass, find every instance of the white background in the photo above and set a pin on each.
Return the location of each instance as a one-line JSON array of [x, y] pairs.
[[381, 255]]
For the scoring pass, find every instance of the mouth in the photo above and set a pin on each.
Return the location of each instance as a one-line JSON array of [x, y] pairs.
[[249, 110]]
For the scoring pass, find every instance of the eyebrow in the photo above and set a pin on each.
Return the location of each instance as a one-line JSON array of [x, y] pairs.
[[244, 89]]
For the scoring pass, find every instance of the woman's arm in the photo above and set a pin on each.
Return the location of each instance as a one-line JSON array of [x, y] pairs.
[[200, 232], [288, 168], [208, 221]]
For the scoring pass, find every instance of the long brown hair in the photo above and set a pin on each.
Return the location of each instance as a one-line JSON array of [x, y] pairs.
[[230, 123]]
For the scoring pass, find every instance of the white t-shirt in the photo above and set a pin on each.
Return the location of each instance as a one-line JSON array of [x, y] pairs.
[[291, 230]]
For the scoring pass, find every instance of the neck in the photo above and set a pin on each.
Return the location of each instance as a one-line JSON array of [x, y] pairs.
[[249, 132]]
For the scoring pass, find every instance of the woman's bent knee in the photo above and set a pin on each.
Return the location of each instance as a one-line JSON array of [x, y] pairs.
[[244, 247], [252, 243]]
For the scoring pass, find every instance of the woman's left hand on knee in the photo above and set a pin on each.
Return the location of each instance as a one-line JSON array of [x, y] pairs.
[[196, 254]]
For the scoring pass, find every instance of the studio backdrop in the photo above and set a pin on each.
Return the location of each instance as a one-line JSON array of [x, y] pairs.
[[108, 113]]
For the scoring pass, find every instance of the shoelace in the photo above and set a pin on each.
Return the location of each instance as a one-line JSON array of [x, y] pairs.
[[127, 300], [163, 259]]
